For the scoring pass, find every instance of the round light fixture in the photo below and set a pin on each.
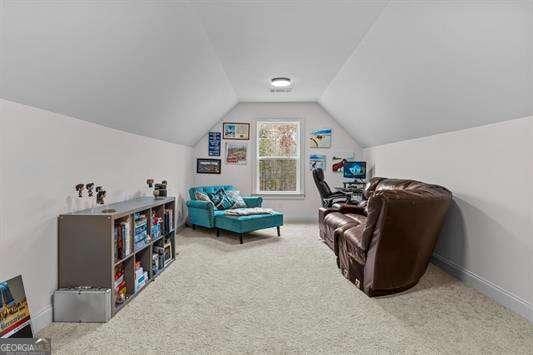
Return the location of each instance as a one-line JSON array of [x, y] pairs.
[[280, 82]]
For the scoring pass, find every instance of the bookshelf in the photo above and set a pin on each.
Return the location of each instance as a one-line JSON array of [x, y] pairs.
[[122, 246]]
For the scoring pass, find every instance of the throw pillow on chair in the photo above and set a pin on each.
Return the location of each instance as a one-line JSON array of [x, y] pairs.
[[220, 200], [236, 199]]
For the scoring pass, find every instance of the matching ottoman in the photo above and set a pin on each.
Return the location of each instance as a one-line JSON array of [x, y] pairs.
[[246, 224]]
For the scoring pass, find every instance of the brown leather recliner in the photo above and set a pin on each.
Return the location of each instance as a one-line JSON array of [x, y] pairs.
[[385, 246]]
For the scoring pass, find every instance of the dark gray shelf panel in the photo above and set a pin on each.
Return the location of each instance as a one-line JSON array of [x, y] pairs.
[[124, 208]]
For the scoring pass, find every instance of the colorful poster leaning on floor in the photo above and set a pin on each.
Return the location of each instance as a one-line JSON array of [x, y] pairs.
[[236, 153], [320, 138], [214, 144], [15, 320], [338, 160], [317, 161]]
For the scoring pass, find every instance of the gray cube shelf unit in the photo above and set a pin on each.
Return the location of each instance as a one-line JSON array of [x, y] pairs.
[[88, 243]]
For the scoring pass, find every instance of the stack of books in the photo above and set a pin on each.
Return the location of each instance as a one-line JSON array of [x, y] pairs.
[[140, 236], [169, 220], [155, 231], [158, 261], [120, 285], [141, 276], [122, 240]]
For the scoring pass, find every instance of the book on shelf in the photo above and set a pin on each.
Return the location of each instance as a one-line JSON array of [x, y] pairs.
[[141, 276], [168, 219], [122, 240], [140, 234], [119, 285], [126, 235]]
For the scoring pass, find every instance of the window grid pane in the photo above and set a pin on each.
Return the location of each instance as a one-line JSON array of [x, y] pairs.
[[278, 139], [278, 157], [278, 175]]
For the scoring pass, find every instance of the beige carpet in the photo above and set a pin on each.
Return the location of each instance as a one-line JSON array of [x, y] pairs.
[[286, 295]]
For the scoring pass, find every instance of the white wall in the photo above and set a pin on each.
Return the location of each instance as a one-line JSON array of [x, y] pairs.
[[314, 117], [42, 156], [487, 237]]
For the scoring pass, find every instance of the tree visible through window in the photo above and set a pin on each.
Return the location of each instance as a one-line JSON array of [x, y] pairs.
[[278, 157]]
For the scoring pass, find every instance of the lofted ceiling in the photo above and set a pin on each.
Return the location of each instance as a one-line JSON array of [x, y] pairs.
[[143, 67], [387, 71], [431, 67], [307, 41]]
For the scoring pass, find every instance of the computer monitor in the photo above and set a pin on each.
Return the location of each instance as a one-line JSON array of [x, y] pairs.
[[354, 170]]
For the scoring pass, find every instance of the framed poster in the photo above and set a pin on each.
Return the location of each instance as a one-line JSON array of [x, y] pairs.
[[234, 130], [338, 160], [208, 166], [317, 161], [214, 144], [15, 320], [320, 138], [236, 153]]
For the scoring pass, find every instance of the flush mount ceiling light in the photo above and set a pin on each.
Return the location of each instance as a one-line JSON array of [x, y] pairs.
[[280, 82]]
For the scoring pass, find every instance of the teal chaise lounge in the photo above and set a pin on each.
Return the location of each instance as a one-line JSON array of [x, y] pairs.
[[203, 213]]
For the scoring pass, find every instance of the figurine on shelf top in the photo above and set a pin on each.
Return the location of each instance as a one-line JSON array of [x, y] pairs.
[[160, 189]]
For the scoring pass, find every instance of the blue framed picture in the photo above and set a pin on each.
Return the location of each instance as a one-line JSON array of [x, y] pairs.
[[320, 138], [215, 139], [317, 161]]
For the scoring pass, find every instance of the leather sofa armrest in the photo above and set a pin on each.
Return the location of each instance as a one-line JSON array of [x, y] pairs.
[[204, 205], [324, 211], [356, 236], [347, 208], [338, 234], [253, 201]]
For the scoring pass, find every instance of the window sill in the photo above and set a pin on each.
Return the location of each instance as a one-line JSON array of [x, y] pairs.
[[275, 196]]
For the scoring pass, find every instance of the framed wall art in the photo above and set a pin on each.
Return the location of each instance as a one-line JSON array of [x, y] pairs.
[[339, 159], [234, 130], [208, 166], [236, 153], [317, 161], [214, 144], [320, 138]]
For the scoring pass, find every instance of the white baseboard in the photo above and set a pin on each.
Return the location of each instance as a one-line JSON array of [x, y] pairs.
[[498, 294], [42, 319]]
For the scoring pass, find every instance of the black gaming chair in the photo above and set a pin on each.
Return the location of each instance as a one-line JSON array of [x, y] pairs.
[[328, 198]]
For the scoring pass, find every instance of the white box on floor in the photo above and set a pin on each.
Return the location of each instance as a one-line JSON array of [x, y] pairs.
[[82, 305]]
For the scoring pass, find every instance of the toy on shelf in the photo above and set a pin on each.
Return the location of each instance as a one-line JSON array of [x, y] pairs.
[[159, 189], [79, 188], [89, 186], [100, 195]]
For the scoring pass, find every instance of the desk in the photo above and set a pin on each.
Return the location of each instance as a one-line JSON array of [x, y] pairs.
[[355, 192]]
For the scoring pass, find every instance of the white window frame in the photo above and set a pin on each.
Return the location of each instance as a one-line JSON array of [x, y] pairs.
[[298, 157]]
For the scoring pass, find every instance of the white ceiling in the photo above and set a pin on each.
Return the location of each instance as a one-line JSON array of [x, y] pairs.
[[307, 41], [170, 70], [143, 67], [425, 68]]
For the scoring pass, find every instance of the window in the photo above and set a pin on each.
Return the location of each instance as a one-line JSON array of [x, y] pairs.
[[278, 157]]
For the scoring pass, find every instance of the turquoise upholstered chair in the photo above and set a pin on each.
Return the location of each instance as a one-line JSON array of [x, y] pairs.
[[203, 213]]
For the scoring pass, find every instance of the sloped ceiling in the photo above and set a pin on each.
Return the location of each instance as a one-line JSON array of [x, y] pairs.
[[307, 41], [143, 67], [430, 67], [387, 71]]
